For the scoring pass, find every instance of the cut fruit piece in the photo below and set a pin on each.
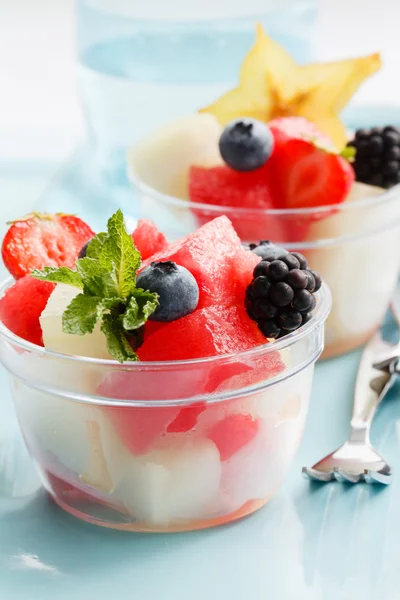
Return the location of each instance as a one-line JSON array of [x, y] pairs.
[[271, 84], [22, 305], [304, 176], [148, 239], [222, 186], [162, 160], [206, 332], [43, 240], [174, 482], [208, 254], [93, 344], [232, 433], [67, 435]]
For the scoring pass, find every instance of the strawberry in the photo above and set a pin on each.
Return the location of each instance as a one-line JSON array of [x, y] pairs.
[[22, 305], [303, 171], [296, 128], [43, 240]]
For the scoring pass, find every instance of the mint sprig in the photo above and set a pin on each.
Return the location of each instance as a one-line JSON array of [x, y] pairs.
[[109, 296]]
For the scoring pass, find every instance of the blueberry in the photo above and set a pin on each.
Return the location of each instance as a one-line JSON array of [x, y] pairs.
[[176, 287], [303, 301], [269, 328], [246, 144], [260, 287], [268, 251], [290, 320], [277, 271], [261, 269], [83, 250], [302, 259], [297, 279], [281, 294]]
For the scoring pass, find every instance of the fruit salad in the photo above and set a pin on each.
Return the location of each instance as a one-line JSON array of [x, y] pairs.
[[273, 155], [159, 386]]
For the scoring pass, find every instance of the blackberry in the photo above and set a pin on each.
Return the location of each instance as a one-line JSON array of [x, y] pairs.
[[280, 297], [377, 159]]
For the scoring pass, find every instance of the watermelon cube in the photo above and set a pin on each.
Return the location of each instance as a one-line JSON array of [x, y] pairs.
[[209, 254], [222, 186], [148, 239]]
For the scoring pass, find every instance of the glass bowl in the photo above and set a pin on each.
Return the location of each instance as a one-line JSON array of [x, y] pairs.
[[164, 446], [354, 245]]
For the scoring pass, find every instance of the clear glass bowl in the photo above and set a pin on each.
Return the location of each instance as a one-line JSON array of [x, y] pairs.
[[355, 246], [164, 446]]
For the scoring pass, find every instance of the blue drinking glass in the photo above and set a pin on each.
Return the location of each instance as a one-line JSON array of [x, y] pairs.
[[144, 63]]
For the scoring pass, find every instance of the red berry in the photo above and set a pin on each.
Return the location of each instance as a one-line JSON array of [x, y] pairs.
[[22, 305], [148, 239], [43, 240], [303, 172], [233, 433]]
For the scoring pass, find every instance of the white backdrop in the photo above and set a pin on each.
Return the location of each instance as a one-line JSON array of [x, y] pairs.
[[39, 112]]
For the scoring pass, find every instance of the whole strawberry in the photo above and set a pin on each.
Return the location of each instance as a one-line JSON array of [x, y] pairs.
[[43, 240]]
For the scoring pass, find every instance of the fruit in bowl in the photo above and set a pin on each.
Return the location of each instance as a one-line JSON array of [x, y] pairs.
[[274, 156], [163, 394]]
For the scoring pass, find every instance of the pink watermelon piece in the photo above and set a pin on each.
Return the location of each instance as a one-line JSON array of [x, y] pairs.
[[233, 433], [148, 239], [208, 254], [222, 186]]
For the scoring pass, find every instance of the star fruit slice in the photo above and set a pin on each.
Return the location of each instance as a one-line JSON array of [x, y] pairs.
[[271, 85]]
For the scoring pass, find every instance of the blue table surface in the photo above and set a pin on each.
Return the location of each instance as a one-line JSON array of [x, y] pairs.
[[311, 542]]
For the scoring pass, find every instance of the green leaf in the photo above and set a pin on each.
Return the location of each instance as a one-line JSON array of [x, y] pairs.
[[96, 243], [97, 281], [82, 314], [349, 153], [59, 275], [117, 342], [119, 256], [140, 306]]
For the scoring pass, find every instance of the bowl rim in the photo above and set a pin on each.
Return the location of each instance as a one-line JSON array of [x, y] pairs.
[[324, 304], [386, 196]]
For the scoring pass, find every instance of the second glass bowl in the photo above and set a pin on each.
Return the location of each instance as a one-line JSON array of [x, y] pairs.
[[354, 245]]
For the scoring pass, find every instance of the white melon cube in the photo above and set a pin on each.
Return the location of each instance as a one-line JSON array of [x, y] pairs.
[[93, 344], [174, 482]]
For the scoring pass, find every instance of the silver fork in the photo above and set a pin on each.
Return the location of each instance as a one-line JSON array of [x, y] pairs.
[[356, 460]]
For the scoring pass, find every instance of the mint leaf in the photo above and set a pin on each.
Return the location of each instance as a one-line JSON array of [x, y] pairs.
[[117, 342], [140, 306], [82, 314], [119, 256], [96, 280], [107, 280], [59, 275], [95, 245]]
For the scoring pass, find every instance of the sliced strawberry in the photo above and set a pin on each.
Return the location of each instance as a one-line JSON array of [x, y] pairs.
[[22, 305], [233, 433], [296, 128], [303, 175], [304, 171], [40, 240], [148, 239]]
